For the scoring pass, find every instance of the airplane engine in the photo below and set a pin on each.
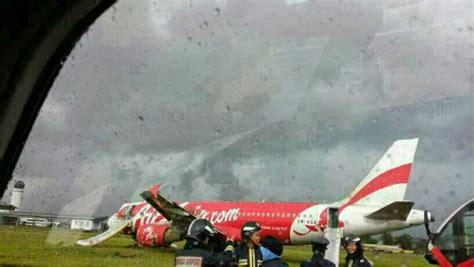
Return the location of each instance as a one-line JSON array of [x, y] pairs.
[[154, 235]]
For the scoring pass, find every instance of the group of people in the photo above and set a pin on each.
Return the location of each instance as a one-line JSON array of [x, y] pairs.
[[253, 252], [351, 243]]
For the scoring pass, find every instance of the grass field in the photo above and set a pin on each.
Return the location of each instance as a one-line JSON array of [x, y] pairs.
[[55, 247]]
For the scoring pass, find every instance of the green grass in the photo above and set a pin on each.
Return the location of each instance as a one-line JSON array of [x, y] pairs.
[[55, 247]]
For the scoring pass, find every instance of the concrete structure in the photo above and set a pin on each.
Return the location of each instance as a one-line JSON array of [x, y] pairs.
[[17, 194]]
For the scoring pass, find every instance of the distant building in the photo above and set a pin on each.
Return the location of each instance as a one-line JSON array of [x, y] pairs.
[[15, 202], [4, 207], [76, 222], [10, 215]]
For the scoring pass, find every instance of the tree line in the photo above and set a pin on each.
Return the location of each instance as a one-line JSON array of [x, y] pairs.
[[404, 241]]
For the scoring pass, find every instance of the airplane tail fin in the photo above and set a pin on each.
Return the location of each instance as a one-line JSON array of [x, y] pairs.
[[388, 179]]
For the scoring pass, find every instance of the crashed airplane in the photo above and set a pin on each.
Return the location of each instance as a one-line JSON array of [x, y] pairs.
[[375, 206]]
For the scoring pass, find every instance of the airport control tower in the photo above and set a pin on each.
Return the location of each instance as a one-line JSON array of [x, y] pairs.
[[17, 194]]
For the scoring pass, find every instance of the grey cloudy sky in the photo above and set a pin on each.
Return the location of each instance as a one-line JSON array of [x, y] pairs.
[[277, 100]]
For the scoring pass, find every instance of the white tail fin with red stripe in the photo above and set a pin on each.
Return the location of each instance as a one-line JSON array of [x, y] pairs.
[[388, 179]]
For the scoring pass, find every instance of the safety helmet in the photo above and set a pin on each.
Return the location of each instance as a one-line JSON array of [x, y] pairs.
[[199, 229], [350, 239], [247, 229], [320, 243]]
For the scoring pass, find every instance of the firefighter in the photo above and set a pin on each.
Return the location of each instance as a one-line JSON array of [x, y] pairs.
[[355, 252], [248, 253], [320, 245], [196, 252], [271, 252]]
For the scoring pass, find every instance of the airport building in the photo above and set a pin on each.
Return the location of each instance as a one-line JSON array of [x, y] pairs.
[[10, 214]]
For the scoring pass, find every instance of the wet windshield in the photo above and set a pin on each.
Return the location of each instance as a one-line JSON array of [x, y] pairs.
[[259, 101]]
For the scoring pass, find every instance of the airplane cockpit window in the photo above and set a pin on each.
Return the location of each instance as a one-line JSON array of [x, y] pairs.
[[278, 112]]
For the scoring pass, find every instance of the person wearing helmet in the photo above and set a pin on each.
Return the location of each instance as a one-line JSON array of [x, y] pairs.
[[355, 252], [248, 253], [271, 252], [320, 245], [196, 252]]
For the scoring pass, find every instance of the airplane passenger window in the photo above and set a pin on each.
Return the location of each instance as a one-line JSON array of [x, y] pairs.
[[234, 111]]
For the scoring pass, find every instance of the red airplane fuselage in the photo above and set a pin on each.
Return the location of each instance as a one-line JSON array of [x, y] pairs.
[[276, 219]]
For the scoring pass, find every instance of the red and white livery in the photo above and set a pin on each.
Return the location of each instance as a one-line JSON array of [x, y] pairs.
[[375, 206]]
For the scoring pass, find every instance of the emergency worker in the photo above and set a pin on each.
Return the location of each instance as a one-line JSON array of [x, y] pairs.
[[320, 245], [196, 252], [355, 252], [248, 253]]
